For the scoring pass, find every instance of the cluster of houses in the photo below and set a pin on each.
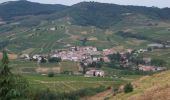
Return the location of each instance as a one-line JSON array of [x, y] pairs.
[[76, 53], [89, 54], [150, 68]]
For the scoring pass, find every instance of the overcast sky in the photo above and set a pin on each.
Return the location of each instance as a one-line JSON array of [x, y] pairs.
[[157, 3]]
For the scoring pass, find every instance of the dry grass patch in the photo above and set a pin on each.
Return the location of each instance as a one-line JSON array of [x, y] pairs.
[[156, 87], [47, 70], [11, 56]]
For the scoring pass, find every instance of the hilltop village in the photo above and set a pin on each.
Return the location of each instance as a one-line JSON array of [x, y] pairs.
[[91, 57]]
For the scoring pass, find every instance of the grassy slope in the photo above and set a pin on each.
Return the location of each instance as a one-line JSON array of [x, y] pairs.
[[155, 87], [163, 54]]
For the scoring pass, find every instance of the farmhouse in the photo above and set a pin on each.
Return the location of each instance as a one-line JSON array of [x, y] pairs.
[[35, 57], [106, 59], [52, 29], [156, 45], [109, 51], [147, 60], [25, 56], [94, 73], [141, 50], [147, 68]]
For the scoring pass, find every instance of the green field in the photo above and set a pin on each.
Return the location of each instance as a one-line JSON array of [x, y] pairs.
[[65, 83], [159, 54], [19, 66]]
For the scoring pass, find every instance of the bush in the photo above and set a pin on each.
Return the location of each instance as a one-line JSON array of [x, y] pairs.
[[128, 88], [54, 60], [51, 74], [67, 72]]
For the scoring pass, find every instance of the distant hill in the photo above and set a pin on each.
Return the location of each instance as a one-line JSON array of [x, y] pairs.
[[156, 87], [22, 7], [105, 15], [102, 15], [40, 28]]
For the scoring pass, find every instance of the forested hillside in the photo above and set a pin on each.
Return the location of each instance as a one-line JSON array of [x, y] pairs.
[[85, 13], [13, 9]]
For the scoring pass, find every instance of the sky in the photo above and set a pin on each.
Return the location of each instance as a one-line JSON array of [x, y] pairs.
[[149, 3]]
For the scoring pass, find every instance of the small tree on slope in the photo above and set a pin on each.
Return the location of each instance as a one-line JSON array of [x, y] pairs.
[[128, 88]]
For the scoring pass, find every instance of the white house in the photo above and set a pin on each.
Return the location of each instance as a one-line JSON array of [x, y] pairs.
[[25, 56], [52, 29], [75, 59], [55, 56], [93, 73], [35, 57]]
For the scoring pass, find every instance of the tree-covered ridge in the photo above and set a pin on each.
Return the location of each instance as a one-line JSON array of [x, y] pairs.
[[105, 15], [85, 13], [23, 7]]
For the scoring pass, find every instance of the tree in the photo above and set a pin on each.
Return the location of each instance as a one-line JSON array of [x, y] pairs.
[[158, 62], [43, 60], [84, 41], [11, 86], [51, 74], [84, 67], [54, 60], [128, 88], [115, 57], [5, 69], [149, 49]]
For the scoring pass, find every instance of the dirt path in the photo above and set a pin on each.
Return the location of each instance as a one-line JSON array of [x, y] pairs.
[[100, 96]]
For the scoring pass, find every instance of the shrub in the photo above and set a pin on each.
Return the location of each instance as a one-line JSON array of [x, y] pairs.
[[54, 60], [67, 73], [128, 88], [51, 74]]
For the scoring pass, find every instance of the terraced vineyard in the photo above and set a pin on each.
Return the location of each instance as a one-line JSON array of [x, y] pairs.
[[41, 39]]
